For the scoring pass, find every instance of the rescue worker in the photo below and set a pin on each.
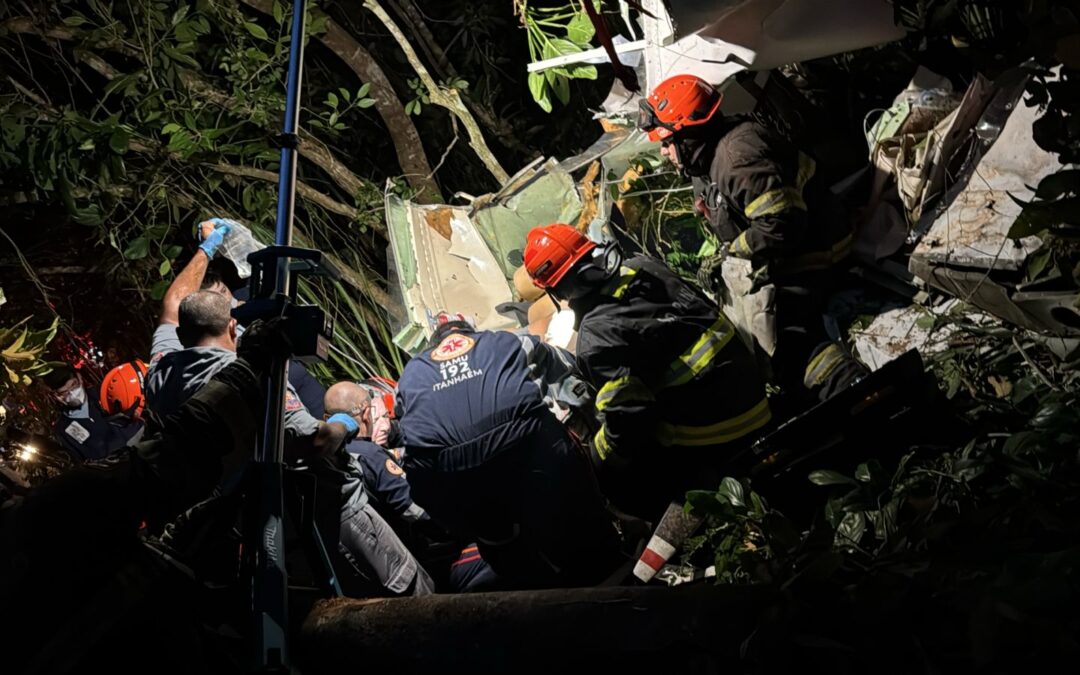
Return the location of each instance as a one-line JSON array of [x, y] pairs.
[[488, 459], [82, 427], [763, 199], [208, 336], [678, 394], [207, 272], [383, 475]]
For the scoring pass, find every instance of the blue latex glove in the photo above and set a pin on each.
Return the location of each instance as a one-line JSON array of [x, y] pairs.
[[210, 245], [351, 426]]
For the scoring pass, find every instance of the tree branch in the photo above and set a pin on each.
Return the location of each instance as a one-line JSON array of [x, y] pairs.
[[446, 98], [303, 189], [414, 18], [407, 144]]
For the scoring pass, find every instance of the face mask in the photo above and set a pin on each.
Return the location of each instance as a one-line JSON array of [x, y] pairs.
[[75, 398]]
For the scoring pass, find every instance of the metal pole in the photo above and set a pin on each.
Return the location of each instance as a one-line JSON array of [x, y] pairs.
[[270, 583]]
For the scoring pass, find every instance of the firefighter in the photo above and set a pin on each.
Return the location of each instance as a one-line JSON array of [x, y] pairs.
[[678, 394], [488, 459], [122, 398], [763, 199]]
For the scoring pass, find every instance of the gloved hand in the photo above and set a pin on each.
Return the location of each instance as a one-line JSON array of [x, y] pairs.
[[212, 238], [710, 276], [352, 428]]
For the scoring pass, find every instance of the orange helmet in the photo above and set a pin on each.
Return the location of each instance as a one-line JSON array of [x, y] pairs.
[[551, 250], [122, 390], [677, 102]]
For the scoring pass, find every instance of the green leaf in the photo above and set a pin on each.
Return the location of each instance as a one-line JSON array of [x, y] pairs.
[[333, 119], [363, 90], [732, 491], [365, 103], [256, 30], [827, 477], [559, 47], [561, 86], [704, 502], [159, 289], [582, 72], [332, 100], [137, 249], [851, 528], [580, 29], [279, 11], [1060, 183], [118, 142], [164, 268], [862, 473], [74, 21], [345, 94], [170, 128], [1038, 262], [173, 251], [537, 86], [179, 15]]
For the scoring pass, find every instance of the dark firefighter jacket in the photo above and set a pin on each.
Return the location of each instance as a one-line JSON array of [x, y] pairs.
[[667, 365], [762, 195]]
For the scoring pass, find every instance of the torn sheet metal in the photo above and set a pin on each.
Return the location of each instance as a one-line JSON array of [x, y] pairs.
[[971, 230], [896, 331], [725, 38], [541, 196], [442, 262]]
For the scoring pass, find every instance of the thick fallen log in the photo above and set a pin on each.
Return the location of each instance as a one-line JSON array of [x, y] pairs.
[[625, 629]]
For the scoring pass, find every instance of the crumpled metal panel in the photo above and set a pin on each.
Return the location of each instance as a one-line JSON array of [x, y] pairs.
[[972, 229], [545, 195], [442, 262]]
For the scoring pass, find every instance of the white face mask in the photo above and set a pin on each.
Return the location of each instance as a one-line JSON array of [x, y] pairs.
[[76, 397]]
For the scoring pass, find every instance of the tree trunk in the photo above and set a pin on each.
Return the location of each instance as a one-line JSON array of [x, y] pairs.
[[609, 630], [407, 143]]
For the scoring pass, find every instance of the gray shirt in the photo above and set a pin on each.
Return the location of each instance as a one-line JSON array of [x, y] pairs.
[[176, 373]]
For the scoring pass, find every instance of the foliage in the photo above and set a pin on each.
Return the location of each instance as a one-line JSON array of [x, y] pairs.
[[553, 32], [984, 535], [23, 352], [143, 118]]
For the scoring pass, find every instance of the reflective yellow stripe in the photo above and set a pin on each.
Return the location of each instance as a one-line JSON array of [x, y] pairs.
[[622, 390], [822, 365], [694, 360], [716, 434], [775, 201], [806, 171], [740, 247], [617, 287], [600, 442]]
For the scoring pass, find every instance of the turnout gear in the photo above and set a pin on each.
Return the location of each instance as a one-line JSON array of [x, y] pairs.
[[676, 103], [678, 394], [122, 390], [488, 460], [763, 198]]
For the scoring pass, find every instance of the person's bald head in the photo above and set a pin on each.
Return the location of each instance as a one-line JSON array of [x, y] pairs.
[[206, 321], [351, 399]]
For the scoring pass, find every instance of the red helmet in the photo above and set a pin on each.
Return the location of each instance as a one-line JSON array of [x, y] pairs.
[[552, 250], [677, 102], [122, 390]]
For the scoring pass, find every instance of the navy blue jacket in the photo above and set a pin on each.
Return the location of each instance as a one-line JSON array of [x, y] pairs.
[[93, 437], [385, 479], [473, 395]]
